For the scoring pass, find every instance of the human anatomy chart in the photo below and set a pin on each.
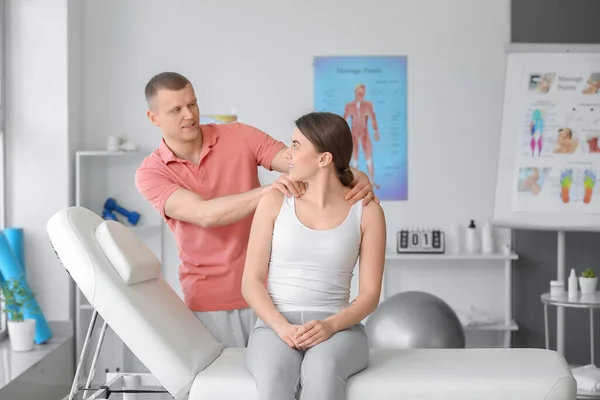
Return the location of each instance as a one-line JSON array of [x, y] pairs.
[[370, 92], [558, 154]]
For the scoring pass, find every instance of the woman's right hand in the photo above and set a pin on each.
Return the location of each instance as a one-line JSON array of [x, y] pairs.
[[287, 333]]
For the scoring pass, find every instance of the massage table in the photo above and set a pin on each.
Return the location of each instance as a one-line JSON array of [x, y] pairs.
[[121, 278]]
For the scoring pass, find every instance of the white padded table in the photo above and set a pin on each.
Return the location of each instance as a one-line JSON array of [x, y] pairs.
[[121, 279], [515, 374]]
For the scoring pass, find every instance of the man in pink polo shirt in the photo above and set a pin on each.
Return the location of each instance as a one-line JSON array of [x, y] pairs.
[[203, 180]]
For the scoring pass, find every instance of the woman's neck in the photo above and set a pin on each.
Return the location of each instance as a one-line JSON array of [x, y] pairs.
[[325, 190]]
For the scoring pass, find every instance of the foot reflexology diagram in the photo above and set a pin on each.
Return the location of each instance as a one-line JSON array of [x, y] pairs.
[[558, 154]]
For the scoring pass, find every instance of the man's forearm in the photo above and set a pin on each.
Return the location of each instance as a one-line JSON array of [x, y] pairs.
[[229, 209]]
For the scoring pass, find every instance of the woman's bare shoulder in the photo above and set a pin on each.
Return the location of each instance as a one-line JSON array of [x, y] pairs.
[[373, 215], [271, 202]]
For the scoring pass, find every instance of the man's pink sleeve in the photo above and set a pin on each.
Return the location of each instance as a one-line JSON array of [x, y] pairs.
[[156, 187], [262, 145]]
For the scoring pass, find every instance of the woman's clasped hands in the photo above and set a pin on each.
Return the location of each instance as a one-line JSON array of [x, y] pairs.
[[302, 337]]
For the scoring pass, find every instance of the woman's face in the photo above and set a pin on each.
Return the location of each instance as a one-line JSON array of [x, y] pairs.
[[304, 160]]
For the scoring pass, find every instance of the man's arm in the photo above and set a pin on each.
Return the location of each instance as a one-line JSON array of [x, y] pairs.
[[173, 201], [185, 205], [280, 163], [270, 153]]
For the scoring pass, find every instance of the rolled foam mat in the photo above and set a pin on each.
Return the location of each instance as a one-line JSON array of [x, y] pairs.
[[15, 239]]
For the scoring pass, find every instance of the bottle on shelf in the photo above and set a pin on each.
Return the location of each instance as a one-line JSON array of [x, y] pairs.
[[572, 289], [471, 238]]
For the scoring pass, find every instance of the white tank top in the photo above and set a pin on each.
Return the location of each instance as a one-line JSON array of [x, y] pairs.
[[311, 270]]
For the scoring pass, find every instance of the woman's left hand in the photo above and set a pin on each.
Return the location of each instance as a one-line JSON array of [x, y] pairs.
[[313, 333]]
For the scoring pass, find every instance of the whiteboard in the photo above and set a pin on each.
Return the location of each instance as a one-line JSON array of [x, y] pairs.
[[549, 155]]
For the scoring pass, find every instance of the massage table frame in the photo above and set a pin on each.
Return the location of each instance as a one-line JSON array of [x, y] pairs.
[[140, 382]]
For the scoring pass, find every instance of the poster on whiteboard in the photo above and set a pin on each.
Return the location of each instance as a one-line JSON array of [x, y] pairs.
[[370, 93], [558, 155]]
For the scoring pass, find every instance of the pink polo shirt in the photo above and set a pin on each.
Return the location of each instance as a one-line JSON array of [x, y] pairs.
[[212, 259]]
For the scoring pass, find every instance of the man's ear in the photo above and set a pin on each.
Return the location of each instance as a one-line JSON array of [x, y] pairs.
[[152, 117]]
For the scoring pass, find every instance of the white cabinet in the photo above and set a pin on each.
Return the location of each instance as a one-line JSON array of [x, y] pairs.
[[101, 175]]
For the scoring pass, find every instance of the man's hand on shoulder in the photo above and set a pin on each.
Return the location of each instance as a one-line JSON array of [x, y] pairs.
[[288, 187], [362, 189]]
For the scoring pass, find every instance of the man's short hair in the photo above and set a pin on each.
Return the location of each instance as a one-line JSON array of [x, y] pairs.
[[165, 80]]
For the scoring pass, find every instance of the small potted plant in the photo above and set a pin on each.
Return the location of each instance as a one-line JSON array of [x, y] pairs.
[[20, 330], [588, 281]]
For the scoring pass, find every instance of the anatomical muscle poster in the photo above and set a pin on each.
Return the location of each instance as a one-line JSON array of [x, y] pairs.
[[558, 154], [370, 93]]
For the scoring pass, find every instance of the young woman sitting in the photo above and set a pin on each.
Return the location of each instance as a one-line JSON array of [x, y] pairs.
[[299, 265]]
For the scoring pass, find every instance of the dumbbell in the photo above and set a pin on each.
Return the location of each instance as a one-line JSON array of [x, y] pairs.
[[111, 205], [107, 214]]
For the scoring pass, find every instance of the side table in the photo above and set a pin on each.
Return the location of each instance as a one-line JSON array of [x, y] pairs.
[[584, 301]]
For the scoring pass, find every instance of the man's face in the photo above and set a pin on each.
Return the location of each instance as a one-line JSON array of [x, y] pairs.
[[176, 113]]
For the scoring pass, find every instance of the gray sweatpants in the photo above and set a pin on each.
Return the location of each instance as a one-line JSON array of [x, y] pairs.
[[231, 328], [319, 373]]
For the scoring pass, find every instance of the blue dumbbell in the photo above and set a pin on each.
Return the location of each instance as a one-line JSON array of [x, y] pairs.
[[107, 214], [111, 205]]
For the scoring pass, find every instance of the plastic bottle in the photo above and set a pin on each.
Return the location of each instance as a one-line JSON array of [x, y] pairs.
[[572, 290], [471, 242], [487, 238]]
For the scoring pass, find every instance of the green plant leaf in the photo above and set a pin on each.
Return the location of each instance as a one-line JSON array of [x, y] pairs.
[[17, 298], [588, 273]]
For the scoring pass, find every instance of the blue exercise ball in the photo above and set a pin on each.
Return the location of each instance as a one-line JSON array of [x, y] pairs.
[[414, 320]]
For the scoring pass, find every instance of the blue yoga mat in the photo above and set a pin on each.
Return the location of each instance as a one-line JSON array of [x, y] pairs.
[[15, 239], [10, 268]]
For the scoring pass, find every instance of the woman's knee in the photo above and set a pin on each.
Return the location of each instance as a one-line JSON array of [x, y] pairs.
[[346, 355]]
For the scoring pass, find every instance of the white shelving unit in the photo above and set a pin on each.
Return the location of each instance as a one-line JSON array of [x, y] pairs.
[[395, 260], [98, 176]]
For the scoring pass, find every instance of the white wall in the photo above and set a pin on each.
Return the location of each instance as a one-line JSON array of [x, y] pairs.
[[456, 71], [256, 57], [37, 139]]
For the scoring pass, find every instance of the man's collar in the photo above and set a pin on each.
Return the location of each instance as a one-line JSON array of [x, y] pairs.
[[209, 138]]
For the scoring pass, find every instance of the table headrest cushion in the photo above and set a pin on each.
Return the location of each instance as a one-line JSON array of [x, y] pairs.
[[130, 257]]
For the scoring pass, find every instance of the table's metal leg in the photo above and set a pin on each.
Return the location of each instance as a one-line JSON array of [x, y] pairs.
[[88, 338], [547, 334], [592, 335], [92, 372]]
